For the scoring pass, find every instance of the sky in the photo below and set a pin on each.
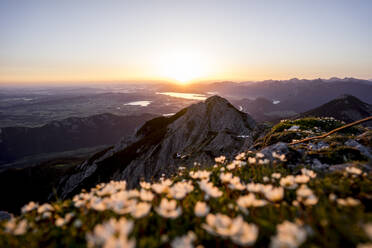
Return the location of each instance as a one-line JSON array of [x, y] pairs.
[[90, 41]]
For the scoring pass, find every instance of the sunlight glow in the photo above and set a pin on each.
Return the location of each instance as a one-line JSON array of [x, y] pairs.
[[182, 66]]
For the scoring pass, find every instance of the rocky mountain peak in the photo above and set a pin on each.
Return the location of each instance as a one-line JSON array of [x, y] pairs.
[[216, 99], [347, 108], [348, 99], [198, 133], [215, 114]]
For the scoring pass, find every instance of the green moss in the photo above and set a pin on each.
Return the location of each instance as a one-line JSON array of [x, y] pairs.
[[312, 123], [287, 137], [338, 155]]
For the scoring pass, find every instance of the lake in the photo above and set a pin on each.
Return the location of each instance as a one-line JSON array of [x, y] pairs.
[[138, 103], [190, 96]]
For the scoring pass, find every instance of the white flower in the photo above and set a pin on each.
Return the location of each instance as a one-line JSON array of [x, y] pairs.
[[246, 236], [220, 159], [304, 191], [168, 209], [288, 182], [200, 174], [46, 207], [368, 230], [240, 156], [288, 235], [142, 209], [180, 190], [146, 195], [122, 205], [201, 209], [62, 221], [311, 200], [231, 166], [251, 160], [15, 228], [110, 188], [302, 179], [120, 241], [236, 229], [29, 207], [113, 233], [145, 185], [210, 189], [353, 170], [263, 161], [226, 177], [236, 184], [276, 175], [97, 204], [134, 193], [260, 155], [349, 201], [278, 156], [306, 195], [223, 225], [162, 186], [46, 215], [274, 194], [332, 197], [184, 241], [249, 200], [309, 173], [255, 187], [81, 199]]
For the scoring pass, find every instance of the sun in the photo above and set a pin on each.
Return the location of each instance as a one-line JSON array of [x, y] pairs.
[[182, 66]]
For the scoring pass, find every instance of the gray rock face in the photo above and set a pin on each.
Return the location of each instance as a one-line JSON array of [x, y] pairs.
[[198, 133], [318, 146], [5, 216], [364, 150], [318, 166], [280, 148]]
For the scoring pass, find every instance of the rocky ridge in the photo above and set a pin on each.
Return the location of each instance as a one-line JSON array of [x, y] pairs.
[[345, 108], [196, 134], [67, 134]]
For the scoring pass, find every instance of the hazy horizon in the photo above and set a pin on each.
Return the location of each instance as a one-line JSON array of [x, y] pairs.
[[152, 82], [190, 41]]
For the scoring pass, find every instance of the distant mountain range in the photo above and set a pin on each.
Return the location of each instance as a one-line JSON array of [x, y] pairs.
[[302, 94], [68, 134], [346, 108], [272, 100]]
